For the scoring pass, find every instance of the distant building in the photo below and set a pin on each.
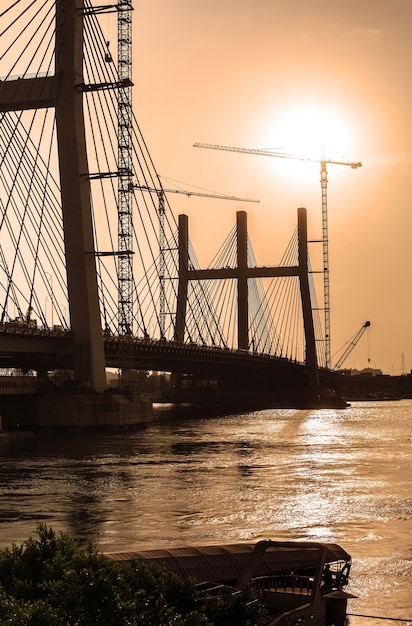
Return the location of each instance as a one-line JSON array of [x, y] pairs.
[[367, 371]]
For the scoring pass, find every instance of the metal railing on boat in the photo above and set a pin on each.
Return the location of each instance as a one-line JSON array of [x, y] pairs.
[[285, 584]]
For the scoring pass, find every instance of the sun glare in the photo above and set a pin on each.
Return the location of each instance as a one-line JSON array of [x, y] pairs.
[[312, 133]]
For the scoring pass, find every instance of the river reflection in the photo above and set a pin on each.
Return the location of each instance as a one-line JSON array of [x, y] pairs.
[[191, 478]]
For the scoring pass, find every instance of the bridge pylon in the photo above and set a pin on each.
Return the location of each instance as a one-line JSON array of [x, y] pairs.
[[310, 341], [88, 357], [242, 272], [63, 92]]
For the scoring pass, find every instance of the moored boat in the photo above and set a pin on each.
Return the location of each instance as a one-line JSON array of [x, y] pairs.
[[298, 582]]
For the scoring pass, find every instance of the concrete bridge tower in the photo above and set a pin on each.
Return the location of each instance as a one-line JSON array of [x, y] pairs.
[[63, 91]]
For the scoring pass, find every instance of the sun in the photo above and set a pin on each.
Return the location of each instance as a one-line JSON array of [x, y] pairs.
[[311, 132]]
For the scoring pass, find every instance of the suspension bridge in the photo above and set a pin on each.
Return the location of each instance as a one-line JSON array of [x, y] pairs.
[[96, 269]]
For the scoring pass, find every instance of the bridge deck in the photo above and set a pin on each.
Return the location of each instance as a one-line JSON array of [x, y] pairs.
[[22, 344]]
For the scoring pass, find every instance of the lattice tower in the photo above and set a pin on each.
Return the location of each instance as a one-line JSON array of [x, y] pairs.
[[125, 166]]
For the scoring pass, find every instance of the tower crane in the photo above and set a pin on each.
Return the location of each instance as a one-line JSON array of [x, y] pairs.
[[125, 166], [351, 345], [161, 213], [325, 238]]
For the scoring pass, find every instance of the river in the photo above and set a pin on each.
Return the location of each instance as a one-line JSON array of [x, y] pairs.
[[191, 478]]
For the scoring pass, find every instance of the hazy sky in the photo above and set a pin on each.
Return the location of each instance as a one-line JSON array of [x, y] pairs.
[[246, 73]]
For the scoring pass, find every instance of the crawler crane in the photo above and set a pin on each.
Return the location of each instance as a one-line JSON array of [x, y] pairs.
[[351, 345]]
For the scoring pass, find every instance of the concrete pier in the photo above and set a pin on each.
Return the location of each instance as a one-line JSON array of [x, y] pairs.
[[76, 412]]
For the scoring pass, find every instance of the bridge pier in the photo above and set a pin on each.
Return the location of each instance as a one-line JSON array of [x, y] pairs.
[[61, 412], [94, 412]]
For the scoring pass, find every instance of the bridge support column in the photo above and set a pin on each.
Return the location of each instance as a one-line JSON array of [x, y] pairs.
[[88, 357], [311, 358], [183, 278], [242, 285]]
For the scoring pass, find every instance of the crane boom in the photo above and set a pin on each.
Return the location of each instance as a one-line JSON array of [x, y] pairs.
[[325, 236], [281, 155], [196, 193], [351, 345]]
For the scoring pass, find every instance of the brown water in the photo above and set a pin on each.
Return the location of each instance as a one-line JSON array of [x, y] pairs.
[[340, 476]]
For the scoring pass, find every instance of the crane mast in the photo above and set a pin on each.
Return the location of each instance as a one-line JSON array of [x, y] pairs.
[[162, 263], [325, 237], [125, 168], [325, 256]]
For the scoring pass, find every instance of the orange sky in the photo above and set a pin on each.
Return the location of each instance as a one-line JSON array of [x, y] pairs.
[[232, 73]]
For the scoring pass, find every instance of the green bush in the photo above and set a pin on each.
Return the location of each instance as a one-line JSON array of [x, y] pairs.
[[50, 581]]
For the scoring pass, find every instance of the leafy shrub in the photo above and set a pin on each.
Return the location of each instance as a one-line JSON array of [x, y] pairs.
[[50, 581]]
